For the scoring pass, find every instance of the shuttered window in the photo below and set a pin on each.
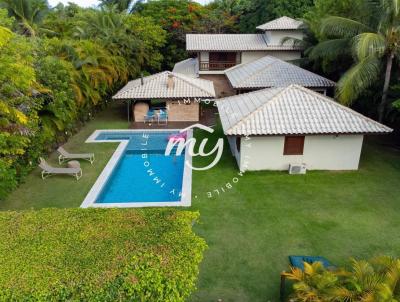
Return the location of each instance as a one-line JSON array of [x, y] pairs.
[[294, 145]]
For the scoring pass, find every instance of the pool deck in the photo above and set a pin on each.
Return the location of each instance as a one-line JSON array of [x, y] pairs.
[[208, 118]]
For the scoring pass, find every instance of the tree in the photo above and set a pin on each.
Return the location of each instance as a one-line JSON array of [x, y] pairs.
[[257, 12], [28, 13], [374, 280], [133, 37], [374, 43], [177, 18], [119, 5]]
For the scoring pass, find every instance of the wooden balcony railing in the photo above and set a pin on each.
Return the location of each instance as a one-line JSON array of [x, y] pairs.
[[220, 65]]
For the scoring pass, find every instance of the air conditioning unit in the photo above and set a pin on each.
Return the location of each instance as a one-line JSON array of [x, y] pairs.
[[297, 169]]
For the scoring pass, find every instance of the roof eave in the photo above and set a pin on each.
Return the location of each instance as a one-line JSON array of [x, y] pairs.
[[317, 133]]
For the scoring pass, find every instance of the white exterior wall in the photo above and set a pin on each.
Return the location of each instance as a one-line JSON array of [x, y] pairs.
[[249, 56], [274, 37], [204, 56], [321, 152], [234, 150]]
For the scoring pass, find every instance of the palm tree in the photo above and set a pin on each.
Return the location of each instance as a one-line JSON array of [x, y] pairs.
[[374, 280], [374, 43], [119, 5], [28, 13]]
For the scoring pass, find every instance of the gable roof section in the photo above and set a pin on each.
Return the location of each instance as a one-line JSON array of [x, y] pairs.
[[231, 42], [291, 110], [269, 71], [282, 23], [155, 86], [188, 67]]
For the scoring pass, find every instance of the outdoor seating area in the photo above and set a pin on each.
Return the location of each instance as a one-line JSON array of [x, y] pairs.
[[156, 115], [73, 166]]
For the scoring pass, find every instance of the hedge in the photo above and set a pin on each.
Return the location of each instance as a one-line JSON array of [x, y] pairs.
[[98, 255]]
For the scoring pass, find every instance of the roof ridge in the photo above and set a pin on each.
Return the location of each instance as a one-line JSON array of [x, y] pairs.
[[332, 101], [187, 80], [245, 118]]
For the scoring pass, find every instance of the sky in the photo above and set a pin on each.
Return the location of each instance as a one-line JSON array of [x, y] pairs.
[[87, 3]]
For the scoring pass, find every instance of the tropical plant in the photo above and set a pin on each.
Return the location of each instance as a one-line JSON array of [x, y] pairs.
[[314, 283], [374, 43], [374, 280], [28, 13]]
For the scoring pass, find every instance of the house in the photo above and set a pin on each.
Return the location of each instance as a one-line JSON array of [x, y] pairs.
[[217, 52], [272, 128], [269, 71], [175, 95]]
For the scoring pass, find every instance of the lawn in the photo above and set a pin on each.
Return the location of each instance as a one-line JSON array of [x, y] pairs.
[[265, 216]]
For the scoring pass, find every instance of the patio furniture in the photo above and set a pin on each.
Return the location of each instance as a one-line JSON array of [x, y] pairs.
[[48, 170], [73, 164], [162, 117], [66, 156], [298, 262], [149, 117]]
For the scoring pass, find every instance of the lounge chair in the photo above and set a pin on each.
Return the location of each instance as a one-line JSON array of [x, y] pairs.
[[65, 156], [48, 170]]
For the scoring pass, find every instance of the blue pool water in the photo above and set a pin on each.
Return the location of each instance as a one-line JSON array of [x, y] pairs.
[[144, 173]]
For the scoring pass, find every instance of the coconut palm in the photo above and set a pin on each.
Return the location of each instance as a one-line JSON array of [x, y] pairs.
[[28, 13], [374, 42]]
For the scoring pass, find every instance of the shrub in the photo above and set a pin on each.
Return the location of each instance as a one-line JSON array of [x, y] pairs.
[[98, 255], [375, 280]]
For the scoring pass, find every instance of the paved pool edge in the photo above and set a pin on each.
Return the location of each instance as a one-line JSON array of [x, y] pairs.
[[90, 199]]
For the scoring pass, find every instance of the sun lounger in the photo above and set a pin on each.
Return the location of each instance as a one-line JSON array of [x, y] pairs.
[[65, 156], [48, 170]]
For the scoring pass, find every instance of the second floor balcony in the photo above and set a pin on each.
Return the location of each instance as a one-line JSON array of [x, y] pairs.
[[216, 65], [219, 61]]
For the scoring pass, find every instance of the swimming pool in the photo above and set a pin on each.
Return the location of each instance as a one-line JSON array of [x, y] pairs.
[[139, 174]]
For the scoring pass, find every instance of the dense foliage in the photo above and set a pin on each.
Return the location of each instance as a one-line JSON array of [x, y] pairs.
[[374, 280], [56, 68], [357, 43], [59, 65], [98, 255]]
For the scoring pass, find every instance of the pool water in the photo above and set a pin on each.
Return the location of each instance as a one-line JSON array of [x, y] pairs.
[[144, 173]]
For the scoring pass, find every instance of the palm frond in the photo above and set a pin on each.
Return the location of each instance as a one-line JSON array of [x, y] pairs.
[[368, 44], [343, 27], [330, 49], [357, 79]]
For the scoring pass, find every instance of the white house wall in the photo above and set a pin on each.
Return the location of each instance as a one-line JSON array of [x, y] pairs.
[[275, 37], [204, 56], [321, 152]]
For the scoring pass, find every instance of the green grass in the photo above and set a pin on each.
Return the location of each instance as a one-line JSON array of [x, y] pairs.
[[64, 191], [266, 216]]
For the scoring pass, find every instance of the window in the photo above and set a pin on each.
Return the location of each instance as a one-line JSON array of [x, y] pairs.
[[294, 145]]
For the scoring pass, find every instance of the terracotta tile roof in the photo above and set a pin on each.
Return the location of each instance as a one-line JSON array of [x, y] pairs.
[[231, 42], [155, 86], [289, 111], [282, 23], [269, 71]]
